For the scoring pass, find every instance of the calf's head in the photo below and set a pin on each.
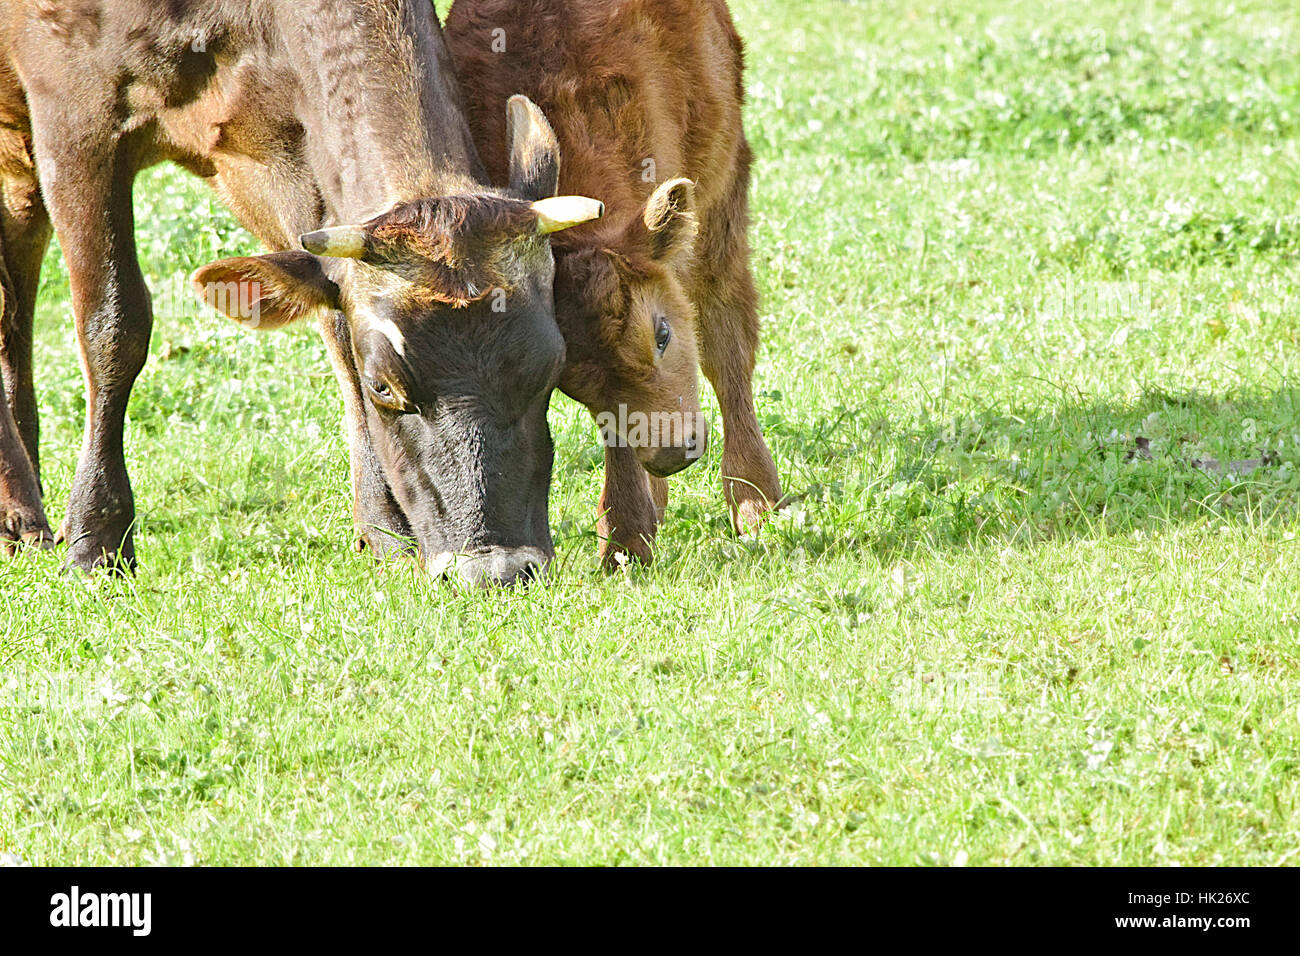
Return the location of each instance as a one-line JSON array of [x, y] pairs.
[[449, 313], [630, 331]]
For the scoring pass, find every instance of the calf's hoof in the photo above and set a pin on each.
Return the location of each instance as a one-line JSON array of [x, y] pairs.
[[616, 554], [749, 507]]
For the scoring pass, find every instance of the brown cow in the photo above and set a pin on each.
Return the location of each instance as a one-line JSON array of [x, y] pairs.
[[435, 303], [645, 98]]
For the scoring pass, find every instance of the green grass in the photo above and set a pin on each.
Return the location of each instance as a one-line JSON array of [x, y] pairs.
[[997, 242]]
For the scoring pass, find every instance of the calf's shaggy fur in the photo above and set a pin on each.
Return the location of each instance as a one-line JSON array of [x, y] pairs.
[[645, 99]]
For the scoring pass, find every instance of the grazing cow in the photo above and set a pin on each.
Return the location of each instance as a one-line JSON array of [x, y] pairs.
[[645, 98], [334, 130]]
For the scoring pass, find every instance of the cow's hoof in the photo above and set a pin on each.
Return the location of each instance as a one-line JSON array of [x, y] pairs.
[[18, 533], [16, 536], [383, 546], [88, 556]]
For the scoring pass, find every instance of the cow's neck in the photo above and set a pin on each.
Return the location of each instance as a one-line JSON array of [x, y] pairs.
[[380, 104]]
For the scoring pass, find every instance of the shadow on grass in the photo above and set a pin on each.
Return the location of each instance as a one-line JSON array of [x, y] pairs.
[[858, 483]]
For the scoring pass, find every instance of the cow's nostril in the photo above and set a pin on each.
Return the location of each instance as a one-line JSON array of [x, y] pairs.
[[501, 567], [530, 572]]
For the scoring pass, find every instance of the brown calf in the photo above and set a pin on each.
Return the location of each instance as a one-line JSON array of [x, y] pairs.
[[645, 98]]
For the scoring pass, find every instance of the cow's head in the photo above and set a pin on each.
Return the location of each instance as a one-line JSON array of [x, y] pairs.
[[448, 302], [630, 331]]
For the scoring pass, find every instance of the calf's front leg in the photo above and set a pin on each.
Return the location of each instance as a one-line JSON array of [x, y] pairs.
[[627, 517], [727, 305]]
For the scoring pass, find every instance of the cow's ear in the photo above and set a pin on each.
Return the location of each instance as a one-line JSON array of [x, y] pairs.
[[669, 218], [534, 151], [266, 292]]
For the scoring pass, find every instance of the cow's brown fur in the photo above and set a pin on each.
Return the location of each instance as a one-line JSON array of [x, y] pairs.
[[637, 87], [301, 115], [458, 240]]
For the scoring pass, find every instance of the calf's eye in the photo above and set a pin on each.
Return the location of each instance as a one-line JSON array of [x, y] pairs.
[[663, 334]]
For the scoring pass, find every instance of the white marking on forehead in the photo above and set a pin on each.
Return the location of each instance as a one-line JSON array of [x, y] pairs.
[[389, 330]]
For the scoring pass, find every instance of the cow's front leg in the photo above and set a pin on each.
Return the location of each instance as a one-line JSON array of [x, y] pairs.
[[381, 526], [22, 519], [87, 181], [24, 234], [627, 516]]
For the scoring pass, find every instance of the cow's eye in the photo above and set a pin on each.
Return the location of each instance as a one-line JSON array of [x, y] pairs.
[[384, 395], [663, 334]]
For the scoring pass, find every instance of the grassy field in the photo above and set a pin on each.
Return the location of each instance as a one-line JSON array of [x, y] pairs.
[[1030, 292]]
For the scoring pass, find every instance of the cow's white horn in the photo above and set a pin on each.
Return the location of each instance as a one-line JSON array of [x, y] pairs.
[[339, 242], [562, 212]]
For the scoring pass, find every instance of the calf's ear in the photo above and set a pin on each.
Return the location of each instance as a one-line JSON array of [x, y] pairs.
[[266, 292], [669, 218], [534, 151]]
